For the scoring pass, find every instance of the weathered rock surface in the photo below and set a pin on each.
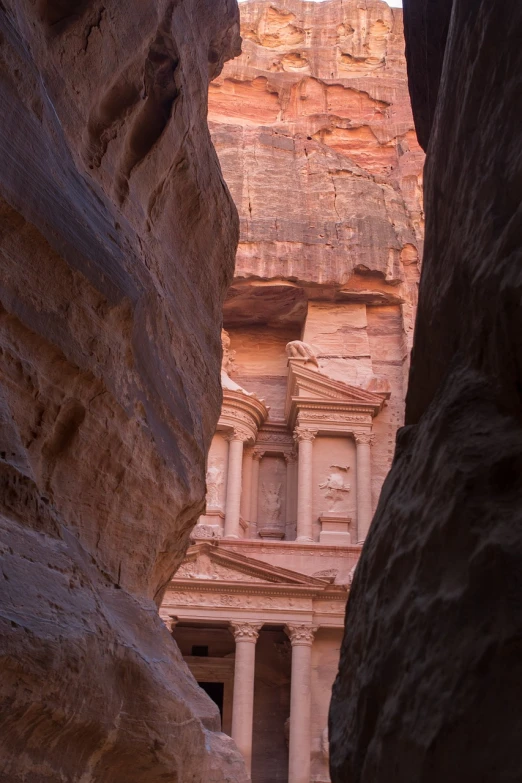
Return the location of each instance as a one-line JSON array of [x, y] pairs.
[[315, 136], [117, 242], [429, 684]]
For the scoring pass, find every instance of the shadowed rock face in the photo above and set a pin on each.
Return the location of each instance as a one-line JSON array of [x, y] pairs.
[[429, 683], [117, 243]]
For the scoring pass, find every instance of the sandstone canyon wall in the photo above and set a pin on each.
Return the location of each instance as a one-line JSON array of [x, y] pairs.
[[429, 683], [117, 243], [315, 136]]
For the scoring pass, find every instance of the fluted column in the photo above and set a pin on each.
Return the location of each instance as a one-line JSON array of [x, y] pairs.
[[257, 456], [301, 637], [246, 491], [235, 467], [305, 438], [364, 484], [246, 635]]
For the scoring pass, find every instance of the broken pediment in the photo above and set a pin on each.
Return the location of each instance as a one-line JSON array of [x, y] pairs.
[[310, 388], [205, 561]]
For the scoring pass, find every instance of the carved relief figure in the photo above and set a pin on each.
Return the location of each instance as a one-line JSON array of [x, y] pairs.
[[296, 349], [271, 526], [335, 487], [214, 483], [227, 366], [271, 502]]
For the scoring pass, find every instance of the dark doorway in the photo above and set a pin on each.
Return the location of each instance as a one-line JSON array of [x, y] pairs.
[[200, 650], [216, 691]]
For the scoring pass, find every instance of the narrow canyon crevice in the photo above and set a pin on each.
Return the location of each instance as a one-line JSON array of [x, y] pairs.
[[429, 681], [104, 421]]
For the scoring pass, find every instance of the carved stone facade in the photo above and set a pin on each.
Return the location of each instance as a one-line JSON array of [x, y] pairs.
[[317, 326], [289, 502]]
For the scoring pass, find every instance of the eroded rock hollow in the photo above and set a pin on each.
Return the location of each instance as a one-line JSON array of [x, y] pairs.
[[117, 244], [431, 665]]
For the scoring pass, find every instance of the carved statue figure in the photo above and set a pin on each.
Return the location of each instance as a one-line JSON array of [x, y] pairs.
[[272, 502], [299, 350], [227, 363], [227, 366], [335, 487], [214, 482]]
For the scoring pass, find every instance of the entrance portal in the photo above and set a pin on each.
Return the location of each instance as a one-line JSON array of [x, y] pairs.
[[216, 691]]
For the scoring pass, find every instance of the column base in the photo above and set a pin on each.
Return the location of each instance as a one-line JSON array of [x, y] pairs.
[[305, 539], [231, 536]]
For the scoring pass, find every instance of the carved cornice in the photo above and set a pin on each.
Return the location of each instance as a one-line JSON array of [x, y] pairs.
[[242, 413], [245, 632], [286, 592], [275, 437], [301, 634]]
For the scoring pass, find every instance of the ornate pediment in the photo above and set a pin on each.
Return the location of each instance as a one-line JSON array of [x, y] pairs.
[[206, 562], [311, 390]]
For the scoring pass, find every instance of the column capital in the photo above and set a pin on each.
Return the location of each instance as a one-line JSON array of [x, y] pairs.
[[245, 631], [305, 434], [301, 634], [363, 438], [239, 434], [258, 455], [290, 458]]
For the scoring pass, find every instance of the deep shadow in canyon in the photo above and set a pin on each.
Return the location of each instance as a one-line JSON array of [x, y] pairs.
[[429, 686], [117, 245]]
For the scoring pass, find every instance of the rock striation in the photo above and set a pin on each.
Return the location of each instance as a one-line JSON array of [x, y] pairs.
[[429, 682], [116, 230], [316, 139]]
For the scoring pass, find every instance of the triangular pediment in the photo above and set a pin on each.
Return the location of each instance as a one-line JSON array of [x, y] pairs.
[[311, 385], [206, 561]]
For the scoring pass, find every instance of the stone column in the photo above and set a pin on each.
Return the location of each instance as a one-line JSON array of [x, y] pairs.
[[246, 635], [247, 485], [291, 462], [257, 456], [301, 637], [364, 484], [235, 467], [305, 438]]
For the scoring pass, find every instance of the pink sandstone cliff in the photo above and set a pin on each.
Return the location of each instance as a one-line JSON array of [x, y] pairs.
[[430, 681], [315, 135], [117, 243]]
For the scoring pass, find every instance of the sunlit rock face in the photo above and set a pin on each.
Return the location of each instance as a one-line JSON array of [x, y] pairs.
[[429, 687], [117, 243], [315, 135], [316, 139]]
